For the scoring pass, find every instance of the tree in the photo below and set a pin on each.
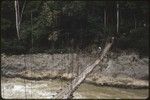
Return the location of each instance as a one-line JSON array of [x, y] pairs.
[[87, 24], [117, 17], [18, 16]]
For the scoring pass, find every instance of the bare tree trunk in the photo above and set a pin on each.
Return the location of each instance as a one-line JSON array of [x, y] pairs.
[[105, 20], [17, 18], [31, 31], [135, 22], [117, 17]]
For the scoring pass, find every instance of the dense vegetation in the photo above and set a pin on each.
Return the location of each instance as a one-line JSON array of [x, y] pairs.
[[63, 26]]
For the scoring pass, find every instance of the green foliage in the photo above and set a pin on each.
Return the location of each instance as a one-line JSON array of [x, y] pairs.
[[57, 23], [14, 47], [5, 24]]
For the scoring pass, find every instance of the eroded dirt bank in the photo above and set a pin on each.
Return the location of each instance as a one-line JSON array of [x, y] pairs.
[[119, 72]]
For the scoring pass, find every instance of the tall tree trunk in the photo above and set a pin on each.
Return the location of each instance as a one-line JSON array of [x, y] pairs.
[[31, 31], [105, 20], [117, 18], [135, 23], [17, 18]]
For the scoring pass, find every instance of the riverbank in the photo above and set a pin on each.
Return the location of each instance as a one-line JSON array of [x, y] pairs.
[[102, 81], [58, 66]]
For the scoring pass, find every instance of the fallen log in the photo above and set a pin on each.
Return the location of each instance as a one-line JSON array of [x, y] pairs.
[[68, 91]]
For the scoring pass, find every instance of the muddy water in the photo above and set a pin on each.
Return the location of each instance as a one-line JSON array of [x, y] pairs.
[[21, 88]]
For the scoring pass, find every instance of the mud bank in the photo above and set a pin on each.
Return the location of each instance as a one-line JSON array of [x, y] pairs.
[[101, 81], [120, 72]]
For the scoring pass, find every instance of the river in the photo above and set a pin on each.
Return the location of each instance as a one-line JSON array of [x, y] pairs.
[[12, 88]]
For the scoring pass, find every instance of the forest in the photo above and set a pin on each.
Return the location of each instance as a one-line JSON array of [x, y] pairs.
[[69, 49], [72, 26]]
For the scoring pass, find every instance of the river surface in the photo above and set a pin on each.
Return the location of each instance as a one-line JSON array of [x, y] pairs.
[[45, 89]]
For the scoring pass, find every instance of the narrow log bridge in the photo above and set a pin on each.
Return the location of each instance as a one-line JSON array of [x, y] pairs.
[[67, 91]]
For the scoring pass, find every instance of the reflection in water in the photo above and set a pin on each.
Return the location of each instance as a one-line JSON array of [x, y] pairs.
[[16, 88]]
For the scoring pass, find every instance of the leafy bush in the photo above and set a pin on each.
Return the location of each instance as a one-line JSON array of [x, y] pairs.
[[12, 47]]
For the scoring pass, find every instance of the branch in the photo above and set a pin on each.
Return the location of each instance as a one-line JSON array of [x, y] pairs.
[[22, 11]]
